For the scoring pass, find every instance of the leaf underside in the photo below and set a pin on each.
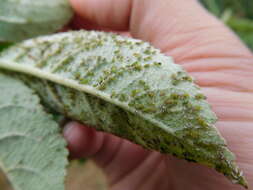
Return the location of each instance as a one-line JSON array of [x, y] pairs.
[[32, 153], [125, 87], [23, 19]]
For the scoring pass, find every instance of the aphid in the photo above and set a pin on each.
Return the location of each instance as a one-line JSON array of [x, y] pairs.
[[120, 73], [175, 82], [170, 103], [157, 63], [162, 93], [138, 43], [84, 81], [135, 92], [131, 104], [154, 52], [41, 64], [146, 87], [113, 95], [187, 78], [90, 73], [137, 56], [202, 122], [139, 106], [138, 67], [113, 69], [147, 51], [77, 75], [200, 96], [174, 76], [197, 108], [63, 64], [102, 87], [123, 97], [106, 72], [147, 65], [185, 95], [151, 94], [142, 82], [149, 109], [147, 58], [175, 96]]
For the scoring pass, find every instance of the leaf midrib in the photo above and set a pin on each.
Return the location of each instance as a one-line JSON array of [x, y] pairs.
[[12, 66]]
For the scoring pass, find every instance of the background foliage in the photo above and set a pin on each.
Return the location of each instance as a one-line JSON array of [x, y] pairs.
[[237, 14]]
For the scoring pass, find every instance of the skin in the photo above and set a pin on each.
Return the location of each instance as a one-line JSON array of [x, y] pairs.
[[211, 53]]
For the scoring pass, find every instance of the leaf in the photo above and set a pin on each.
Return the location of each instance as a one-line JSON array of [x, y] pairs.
[[214, 6], [24, 19], [125, 87], [242, 8], [4, 46], [244, 28], [32, 153]]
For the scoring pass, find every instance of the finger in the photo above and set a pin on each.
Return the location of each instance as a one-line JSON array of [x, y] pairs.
[[83, 141], [108, 151], [180, 28], [78, 23], [184, 30], [113, 14]]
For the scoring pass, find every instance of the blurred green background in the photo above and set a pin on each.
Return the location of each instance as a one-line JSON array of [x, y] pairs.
[[237, 14]]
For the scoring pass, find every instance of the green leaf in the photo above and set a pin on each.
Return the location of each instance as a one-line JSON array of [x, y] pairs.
[[242, 8], [32, 153], [244, 28], [4, 46], [23, 19], [213, 6], [240, 16], [125, 87]]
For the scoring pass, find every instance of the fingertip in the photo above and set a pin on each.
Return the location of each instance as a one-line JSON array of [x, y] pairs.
[[112, 14], [83, 141], [76, 5]]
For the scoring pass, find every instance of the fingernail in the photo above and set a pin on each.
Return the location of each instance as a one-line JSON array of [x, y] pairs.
[[67, 131]]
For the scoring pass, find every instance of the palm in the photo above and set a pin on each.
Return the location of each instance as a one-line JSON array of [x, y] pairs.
[[231, 103], [221, 65], [226, 82], [155, 171]]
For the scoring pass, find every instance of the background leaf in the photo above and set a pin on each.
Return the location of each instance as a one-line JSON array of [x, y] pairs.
[[125, 87], [239, 17], [4, 45], [32, 152], [24, 19]]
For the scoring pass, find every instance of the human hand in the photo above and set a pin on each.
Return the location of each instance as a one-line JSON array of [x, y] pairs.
[[210, 52]]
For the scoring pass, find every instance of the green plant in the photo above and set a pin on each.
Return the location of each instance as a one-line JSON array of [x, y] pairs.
[[31, 148], [238, 15], [23, 19], [125, 86]]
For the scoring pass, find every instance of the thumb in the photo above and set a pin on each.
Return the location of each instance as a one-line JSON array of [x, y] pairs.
[[84, 141], [111, 14], [108, 151], [180, 28]]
